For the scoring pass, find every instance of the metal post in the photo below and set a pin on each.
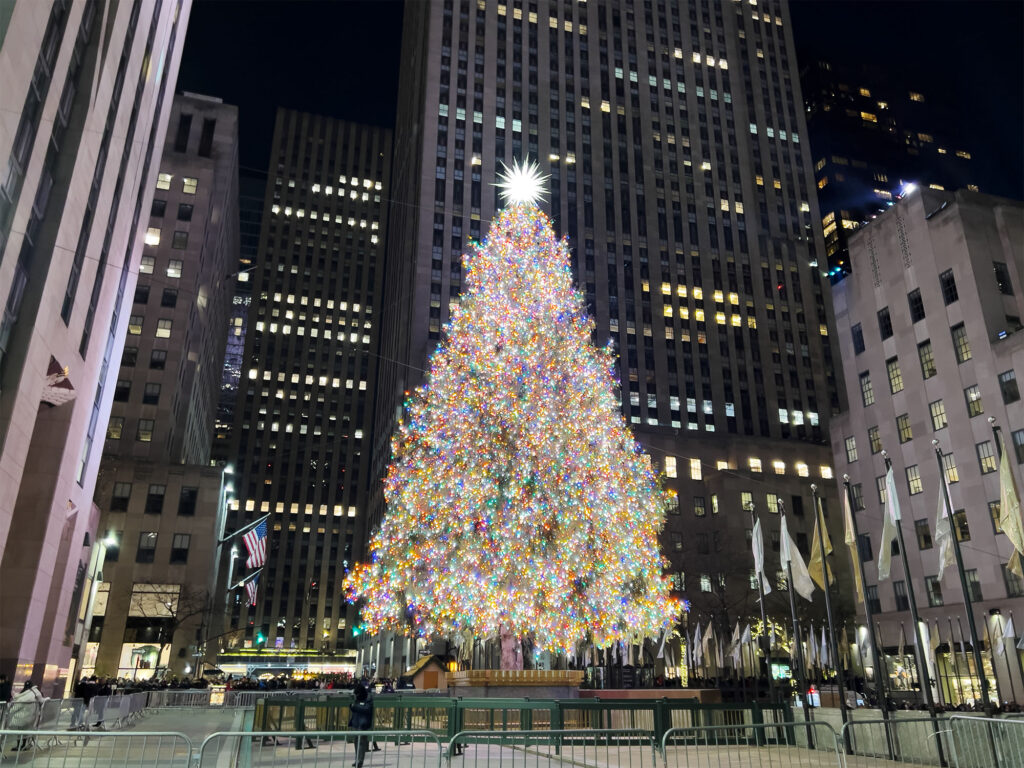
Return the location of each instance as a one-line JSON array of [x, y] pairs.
[[971, 625], [880, 687], [763, 640], [956, 664], [801, 679]]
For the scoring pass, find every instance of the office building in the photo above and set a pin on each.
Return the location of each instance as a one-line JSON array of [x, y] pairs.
[[681, 175], [930, 334], [869, 139], [161, 500], [86, 88], [305, 400]]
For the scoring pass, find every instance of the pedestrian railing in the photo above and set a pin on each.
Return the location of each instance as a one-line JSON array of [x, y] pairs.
[[619, 747], [321, 748], [76, 749], [766, 745], [179, 698], [984, 742], [911, 740]]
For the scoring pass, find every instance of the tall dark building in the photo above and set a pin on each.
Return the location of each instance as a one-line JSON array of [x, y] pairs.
[[681, 174], [305, 399], [870, 138]]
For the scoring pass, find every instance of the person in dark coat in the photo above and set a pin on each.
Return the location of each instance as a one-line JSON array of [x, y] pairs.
[[5, 689], [361, 719]]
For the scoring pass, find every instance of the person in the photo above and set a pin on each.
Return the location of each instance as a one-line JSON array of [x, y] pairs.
[[361, 719], [5, 689], [25, 709], [84, 690]]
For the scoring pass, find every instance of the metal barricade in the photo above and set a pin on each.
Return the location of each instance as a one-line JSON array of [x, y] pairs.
[[198, 697], [911, 740], [984, 742], [320, 749], [75, 749], [753, 746], [622, 747]]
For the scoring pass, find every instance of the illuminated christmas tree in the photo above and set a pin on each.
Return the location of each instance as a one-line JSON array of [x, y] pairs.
[[518, 502]]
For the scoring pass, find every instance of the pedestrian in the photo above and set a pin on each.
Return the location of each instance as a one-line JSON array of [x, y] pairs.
[[5, 689], [25, 709], [361, 719]]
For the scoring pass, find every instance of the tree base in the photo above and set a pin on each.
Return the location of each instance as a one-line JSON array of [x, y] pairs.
[[518, 683]]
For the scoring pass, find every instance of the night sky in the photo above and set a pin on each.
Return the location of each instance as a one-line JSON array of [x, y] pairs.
[[340, 58]]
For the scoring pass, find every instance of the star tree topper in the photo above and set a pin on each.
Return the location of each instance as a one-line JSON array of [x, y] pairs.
[[522, 183]]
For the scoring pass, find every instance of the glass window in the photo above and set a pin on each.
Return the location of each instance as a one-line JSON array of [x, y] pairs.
[[884, 323], [188, 185], [948, 284], [151, 394], [1014, 583], [973, 397], [871, 591], [903, 427], [122, 390], [155, 499], [973, 585], [924, 534], [934, 589], [858, 339], [772, 499], [115, 426], [180, 240], [702, 544], [158, 209], [129, 357], [961, 345], [119, 500], [705, 583], [916, 305], [880, 487], [174, 268], [152, 236], [914, 480], [179, 548], [146, 265], [993, 512], [670, 466], [141, 294], [158, 359], [892, 367], [169, 298], [184, 212], [1018, 444], [986, 457], [1008, 387], [867, 394], [857, 492], [714, 503], [163, 328], [938, 411], [1002, 278], [949, 465], [899, 592], [135, 324], [147, 547], [113, 545], [851, 449], [163, 181], [963, 528], [875, 439], [672, 505], [144, 433], [927, 358], [698, 506]]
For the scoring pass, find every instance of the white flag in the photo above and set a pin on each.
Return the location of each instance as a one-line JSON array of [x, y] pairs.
[[812, 648], [1009, 635], [746, 636], [698, 647], [1009, 513], [789, 555], [734, 646], [661, 646], [824, 655], [890, 520], [758, 547], [944, 532]]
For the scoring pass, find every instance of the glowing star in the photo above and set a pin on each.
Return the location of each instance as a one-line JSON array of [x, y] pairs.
[[522, 183]]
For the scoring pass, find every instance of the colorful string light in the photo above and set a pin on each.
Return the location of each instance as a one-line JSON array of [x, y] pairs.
[[517, 496]]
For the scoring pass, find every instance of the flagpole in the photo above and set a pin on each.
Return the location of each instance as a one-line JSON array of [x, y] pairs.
[[1016, 653], [244, 528], [246, 580], [955, 531], [956, 664], [1009, 672], [963, 649], [880, 686], [992, 658], [763, 640], [801, 676]]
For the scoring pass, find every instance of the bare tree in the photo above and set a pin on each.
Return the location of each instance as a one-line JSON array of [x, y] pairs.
[[173, 605]]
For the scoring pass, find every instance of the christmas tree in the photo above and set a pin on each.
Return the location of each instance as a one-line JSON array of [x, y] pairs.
[[518, 501]]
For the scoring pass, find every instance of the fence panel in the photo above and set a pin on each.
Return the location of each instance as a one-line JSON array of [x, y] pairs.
[[319, 749], [763, 745], [911, 740], [627, 748], [981, 742], [79, 749]]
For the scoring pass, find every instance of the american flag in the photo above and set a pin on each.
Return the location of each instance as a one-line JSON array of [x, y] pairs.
[[256, 542], [250, 588]]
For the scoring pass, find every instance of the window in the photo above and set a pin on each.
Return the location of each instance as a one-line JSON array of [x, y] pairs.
[[714, 503], [147, 547], [179, 548], [122, 390], [1002, 278], [986, 457], [851, 449], [695, 469], [903, 427], [927, 358], [892, 367], [858, 339], [1014, 583], [158, 209], [129, 357], [144, 433], [169, 298], [755, 464], [875, 439], [141, 294], [158, 359], [884, 323], [163, 328], [180, 240], [174, 268], [914, 480], [948, 284], [973, 585], [155, 499], [206, 137], [163, 181], [146, 265], [135, 324], [113, 545], [705, 583], [867, 394], [949, 465], [857, 492], [672, 505], [670, 466], [916, 305], [938, 411], [963, 529], [899, 591], [677, 541], [184, 212], [115, 427], [698, 506], [1008, 387], [924, 534], [702, 544], [772, 499], [1018, 444], [188, 186], [151, 394], [871, 591], [934, 589], [152, 236], [961, 345], [181, 136], [973, 397], [993, 512], [880, 487]]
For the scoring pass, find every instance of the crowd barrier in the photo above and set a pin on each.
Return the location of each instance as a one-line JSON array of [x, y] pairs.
[[613, 747], [263, 749], [979, 742], [79, 749]]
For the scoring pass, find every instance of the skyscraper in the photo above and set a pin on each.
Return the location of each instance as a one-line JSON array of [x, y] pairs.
[[929, 323], [680, 173], [162, 503], [87, 87], [305, 400]]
